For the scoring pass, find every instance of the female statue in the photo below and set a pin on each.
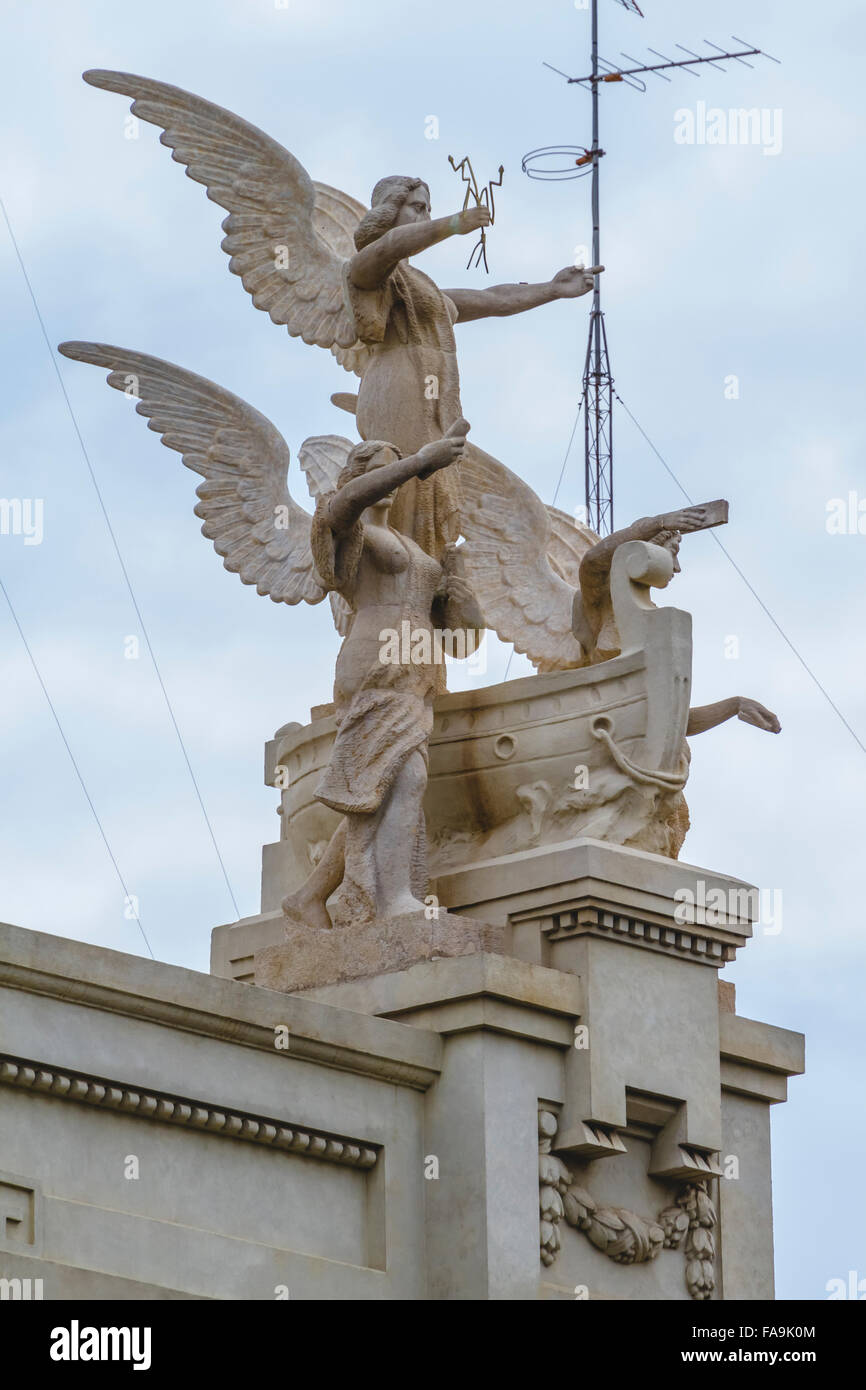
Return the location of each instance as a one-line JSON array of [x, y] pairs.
[[381, 580], [410, 388], [378, 769], [338, 275]]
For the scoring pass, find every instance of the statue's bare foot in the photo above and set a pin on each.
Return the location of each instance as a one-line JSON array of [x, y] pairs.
[[306, 912], [401, 905]]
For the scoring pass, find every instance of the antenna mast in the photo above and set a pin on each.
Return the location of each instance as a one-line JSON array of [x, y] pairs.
[[597, 379], [558, 162]]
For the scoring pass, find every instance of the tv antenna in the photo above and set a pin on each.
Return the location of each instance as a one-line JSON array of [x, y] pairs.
[[559, 162]]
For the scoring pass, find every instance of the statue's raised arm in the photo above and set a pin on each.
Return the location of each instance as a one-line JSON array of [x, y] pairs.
[[339, 276]]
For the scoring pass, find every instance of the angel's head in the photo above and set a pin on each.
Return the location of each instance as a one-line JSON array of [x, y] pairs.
[[670, 540], [395, 202], [371, 454]]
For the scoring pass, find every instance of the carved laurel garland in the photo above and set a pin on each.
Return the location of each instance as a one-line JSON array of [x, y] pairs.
[[619, 1233], [688, 1226], [191, 1114]]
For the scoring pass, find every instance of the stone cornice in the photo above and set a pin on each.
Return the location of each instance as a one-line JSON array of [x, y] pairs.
[[478, 992], [762, 1044], [757, 1058], [175, 997], [709, 945], [46, 1080], [585, 886]]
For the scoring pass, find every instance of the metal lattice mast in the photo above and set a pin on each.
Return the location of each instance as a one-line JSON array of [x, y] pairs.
[[597, 379]]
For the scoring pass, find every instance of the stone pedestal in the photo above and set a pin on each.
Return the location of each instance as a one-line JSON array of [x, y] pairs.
[[309, 956], [595, 1063]]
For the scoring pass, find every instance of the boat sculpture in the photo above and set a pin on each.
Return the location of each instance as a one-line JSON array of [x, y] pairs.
[[599, 751]]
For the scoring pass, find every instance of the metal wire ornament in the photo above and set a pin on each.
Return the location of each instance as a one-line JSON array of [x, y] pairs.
[[483, 199], [553, 163]]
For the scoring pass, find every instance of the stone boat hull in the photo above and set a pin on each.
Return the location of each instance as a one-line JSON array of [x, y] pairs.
[[597, 751]]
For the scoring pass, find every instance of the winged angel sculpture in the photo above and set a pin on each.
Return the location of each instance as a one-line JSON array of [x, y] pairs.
[[389, 510], [338, 276]]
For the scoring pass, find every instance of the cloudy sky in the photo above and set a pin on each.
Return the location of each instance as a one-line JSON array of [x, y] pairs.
[[724, 261]]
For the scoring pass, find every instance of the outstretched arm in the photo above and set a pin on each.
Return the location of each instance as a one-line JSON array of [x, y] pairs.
[[705, 717], [595, 565], [501, 300], [371, 267], [363, 492]]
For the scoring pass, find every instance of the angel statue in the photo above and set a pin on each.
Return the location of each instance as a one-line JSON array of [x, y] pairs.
[[381, 578], [339, 275], [561, 615], [592, 615]]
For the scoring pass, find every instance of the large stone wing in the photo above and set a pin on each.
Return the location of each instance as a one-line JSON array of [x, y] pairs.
[[322, 459], [521, 560], [261, 533], [569, 542], [335, 217], [282, 228]]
